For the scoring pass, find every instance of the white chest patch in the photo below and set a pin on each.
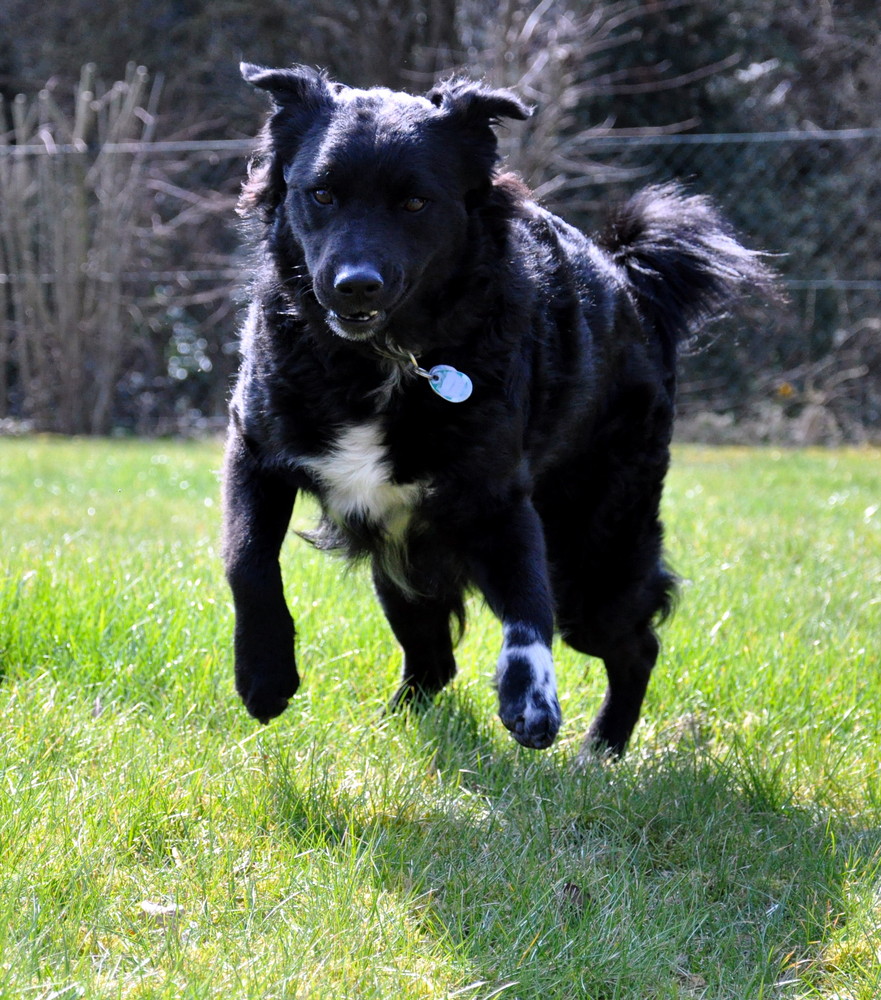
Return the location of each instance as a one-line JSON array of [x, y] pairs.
[[357, 473]]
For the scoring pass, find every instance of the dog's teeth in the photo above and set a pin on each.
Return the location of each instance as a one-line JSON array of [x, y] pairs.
[[361, 317]]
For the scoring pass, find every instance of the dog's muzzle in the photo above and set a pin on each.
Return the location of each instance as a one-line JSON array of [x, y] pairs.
[[358, 302]]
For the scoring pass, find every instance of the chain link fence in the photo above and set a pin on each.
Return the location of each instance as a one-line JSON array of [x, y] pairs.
[[807, 370]]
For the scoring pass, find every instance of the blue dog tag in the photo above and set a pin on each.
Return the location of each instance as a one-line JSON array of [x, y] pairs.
[[449, 383]]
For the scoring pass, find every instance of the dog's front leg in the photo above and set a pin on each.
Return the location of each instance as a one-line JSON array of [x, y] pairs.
[[511, 569], [257, 511], [421, 625]]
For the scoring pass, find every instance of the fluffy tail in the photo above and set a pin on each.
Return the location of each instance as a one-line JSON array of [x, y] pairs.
[[683, 262]]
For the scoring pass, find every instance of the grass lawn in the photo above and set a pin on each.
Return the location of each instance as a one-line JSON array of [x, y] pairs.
[[156, 842]]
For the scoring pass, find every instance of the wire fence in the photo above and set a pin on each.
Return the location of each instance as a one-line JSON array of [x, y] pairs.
[[813, 199], [809, 369]]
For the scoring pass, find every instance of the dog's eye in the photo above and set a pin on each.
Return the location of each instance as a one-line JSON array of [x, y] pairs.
[[414, 204], [323, 196]]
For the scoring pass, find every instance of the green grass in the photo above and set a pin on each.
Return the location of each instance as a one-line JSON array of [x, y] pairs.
[[735, 853]]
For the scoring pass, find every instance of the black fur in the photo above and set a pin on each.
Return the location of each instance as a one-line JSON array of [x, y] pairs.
[[386, 232]]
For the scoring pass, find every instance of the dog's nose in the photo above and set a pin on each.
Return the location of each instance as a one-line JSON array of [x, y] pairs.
[[362, 282]]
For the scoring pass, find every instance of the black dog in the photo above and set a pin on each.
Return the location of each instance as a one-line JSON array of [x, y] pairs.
[[476, 393]]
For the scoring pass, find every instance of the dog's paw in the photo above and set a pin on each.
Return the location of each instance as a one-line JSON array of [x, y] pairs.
[[266, 697], [605, 740], [528, 704], [533, 721], [597, 747], [411, 695]]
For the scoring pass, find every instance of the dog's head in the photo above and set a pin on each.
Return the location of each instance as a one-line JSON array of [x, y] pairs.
[[374, 187]]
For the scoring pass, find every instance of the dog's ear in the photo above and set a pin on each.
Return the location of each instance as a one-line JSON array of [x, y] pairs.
[[476, 104], [300, 95], [473, 110], [299, 86]]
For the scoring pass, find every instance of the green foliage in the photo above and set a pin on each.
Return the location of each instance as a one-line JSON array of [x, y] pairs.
[[155, 842]]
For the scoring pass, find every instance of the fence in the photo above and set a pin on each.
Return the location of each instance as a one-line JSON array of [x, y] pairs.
[[814, 199]]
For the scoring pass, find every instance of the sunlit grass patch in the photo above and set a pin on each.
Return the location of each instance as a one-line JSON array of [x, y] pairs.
[[156, 842]]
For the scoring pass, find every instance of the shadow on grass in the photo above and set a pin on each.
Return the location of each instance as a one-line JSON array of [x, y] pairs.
[[676, 873]]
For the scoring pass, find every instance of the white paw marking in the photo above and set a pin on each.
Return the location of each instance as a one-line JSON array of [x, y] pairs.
[[540, 689]]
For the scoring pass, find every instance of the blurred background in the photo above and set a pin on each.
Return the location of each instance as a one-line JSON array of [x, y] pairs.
[[125, 132]]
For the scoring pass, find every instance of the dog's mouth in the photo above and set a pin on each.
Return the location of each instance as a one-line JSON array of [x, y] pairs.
[[359, 318], [357, 325]]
